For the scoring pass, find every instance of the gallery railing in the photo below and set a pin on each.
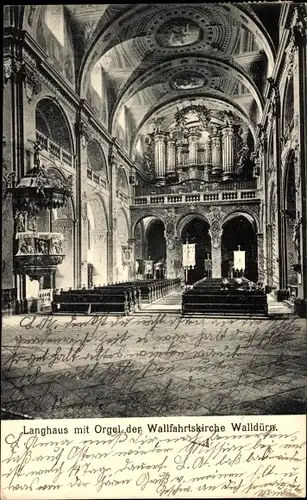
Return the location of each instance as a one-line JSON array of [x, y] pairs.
[[54, 149], [195, 186]]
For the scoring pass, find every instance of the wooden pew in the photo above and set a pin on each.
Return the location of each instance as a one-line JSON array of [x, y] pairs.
[[224, 302]]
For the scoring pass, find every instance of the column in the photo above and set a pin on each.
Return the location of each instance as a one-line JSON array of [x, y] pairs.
[[207, 159], [193, 145], [131, 270], [180, 153], [260, 258], [215, 232], [173, 249], [216, 153], [111, 234], [160, 155], [228, 153], [300, 123], [81, 200], [171, 155]]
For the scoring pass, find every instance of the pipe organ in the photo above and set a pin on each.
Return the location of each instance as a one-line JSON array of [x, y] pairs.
[[207, 151]]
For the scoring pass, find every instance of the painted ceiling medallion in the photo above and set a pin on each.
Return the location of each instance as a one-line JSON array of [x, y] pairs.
[[178, 32], [188, 81]]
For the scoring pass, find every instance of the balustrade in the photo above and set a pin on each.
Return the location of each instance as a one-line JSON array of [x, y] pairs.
[[195, 197], [196, 186], [248, 195], [54, 149], [232, 195]]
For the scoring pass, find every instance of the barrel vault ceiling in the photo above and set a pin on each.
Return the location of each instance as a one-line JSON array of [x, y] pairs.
[[155, 58]]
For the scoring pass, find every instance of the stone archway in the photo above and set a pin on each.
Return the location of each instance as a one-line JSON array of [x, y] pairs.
[[122, 236], [155, 240], [97, 255], [195, 230], [271, 250], [239, 233], [290, 248], [63, 222]]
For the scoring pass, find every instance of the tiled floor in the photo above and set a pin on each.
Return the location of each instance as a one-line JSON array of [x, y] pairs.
[[152, 365]]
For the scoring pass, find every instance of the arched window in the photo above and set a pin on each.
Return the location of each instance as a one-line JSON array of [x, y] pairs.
[[51, 122], [289, 105], [54, 19], [95, 159], [121, 180]]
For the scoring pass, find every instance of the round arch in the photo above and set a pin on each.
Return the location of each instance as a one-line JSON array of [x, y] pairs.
[[248, 214], [271, 237], [122, 236], [100, 44], [290, 248], [186, 219], [194, 228], [63, 222], [287, 171], [49, 120], [97, 247], [142, 217], [287, 115], [229, 68], [122, 181], [96, 158], [239, 233], [164, 104]]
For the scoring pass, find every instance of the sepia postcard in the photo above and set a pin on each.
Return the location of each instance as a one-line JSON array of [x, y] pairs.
[[154, 251]]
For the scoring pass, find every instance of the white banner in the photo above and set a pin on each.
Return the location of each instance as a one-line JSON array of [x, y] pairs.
[[173, 457], [239, 259], [148, 265], [188, 254]]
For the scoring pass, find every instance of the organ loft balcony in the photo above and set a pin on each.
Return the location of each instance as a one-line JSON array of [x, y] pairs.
[[197, 191], [198, 155]]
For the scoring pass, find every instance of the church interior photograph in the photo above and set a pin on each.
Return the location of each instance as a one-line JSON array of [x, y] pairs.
[[154, 162]]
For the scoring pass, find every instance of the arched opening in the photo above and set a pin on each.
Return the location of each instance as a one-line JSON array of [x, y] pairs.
[[239, 234], [292, 256], [52, 130], [272, 270], [51, 122], [96, 160], [60, 220], [122, 181], [156, 245], [122, 235], [97, 254], [289, 106], [63, 223], [196, 230], [150, 247]]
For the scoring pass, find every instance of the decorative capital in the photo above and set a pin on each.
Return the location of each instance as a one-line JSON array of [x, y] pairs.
[[32, 82], [7, 70]]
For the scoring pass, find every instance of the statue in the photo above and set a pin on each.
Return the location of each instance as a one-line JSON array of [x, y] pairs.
[[157, 122], [57, 247], [20, 221], [42, 246], [26, 246], [36, 151]]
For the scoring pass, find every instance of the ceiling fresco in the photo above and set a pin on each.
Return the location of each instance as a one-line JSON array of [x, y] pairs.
[[151, 55], [178, 32], [188, 81]]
